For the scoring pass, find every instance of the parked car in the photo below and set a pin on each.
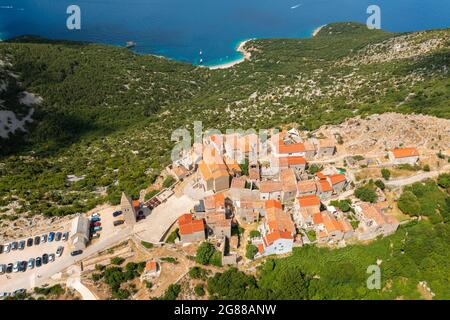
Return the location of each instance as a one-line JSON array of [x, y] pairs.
[[22, 245], [51, 257], [65, 236], [6, 248], [3, 295], [118, 223], [1, 248], [51, 236], [9, 268], [95, 215], [58, 236], [96, 236], [76, 253], [97, 224], [2, 268], [44, 238], [45, 258], [31, 263], [37, 240], [16, 266], [38, 262], [117, 213], [59, 251], [22, 266], [29, 242], [97, 229], [14, 245]]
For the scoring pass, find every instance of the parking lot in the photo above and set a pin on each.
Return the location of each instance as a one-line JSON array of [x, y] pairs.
[[28, 252], [36, 276]]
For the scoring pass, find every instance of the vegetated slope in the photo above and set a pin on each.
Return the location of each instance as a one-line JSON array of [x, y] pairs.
[[107, 114], [416, 257]]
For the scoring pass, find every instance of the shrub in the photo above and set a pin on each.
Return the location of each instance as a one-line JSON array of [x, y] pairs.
[[380, 184], [168, 181], [96, 276], [205, 253], [172, 292], [198, 273], [255, 234], [385, 173], [173, 236], [251, 251], [169, 260], [444, 180], [426, 168], [151, 194], [365, 193], [117, 260], [146, 244], [199, 290]]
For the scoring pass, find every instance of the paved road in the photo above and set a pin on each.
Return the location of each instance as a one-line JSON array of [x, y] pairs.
[[38, 277], [76, 284]]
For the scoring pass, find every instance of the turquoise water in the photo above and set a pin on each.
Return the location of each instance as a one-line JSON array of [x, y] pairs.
[[180, 29]]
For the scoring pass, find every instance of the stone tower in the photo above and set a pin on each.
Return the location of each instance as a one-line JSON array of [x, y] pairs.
[[128, 211]]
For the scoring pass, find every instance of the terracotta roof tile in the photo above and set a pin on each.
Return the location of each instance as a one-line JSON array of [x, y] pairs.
[[405, 152], [307, 201]]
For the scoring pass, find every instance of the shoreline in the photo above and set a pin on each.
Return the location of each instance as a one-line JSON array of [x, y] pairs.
[[247, 55], [241, 49], [317, 30]]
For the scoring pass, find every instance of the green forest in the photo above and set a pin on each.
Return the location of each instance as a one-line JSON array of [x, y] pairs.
[[418, 251], [107, 113]]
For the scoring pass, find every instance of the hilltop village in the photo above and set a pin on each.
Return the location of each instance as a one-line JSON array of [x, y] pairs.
[[233, 200], [288, 194]]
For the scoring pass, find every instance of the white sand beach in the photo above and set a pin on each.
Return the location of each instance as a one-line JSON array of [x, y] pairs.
[[241, 49], [317, 30]]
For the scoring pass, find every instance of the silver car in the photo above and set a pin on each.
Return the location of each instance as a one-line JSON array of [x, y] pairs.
[[2, 268], [59, 251], [31, 263]]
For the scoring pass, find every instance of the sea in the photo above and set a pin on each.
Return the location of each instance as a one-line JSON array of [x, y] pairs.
[[206, 31]]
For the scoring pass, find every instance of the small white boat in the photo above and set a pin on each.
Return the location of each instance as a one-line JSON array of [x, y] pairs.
[[131, 44]]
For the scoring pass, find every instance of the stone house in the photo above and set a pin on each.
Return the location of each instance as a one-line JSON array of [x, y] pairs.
[[270, 190], [404, 156], [190, 229], [327, 148]]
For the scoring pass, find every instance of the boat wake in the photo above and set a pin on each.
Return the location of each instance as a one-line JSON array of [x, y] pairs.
[[296, 6]]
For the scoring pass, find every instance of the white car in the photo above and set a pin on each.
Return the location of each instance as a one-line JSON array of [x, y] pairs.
[[59, 251], [95, 215], [7, 248], [44, 238], [51, 257], [16, 266], [4, 295]]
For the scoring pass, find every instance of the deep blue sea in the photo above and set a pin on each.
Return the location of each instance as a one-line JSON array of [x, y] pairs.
[[180, 29]]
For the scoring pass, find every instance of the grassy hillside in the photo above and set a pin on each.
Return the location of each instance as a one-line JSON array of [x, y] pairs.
[[107, 114]]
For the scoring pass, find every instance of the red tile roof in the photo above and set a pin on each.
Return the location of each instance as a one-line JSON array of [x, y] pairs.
[[337, 178], [270, 186], [273, 204], [306, 186], [307, 201], [187, 225], [325, 186]]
